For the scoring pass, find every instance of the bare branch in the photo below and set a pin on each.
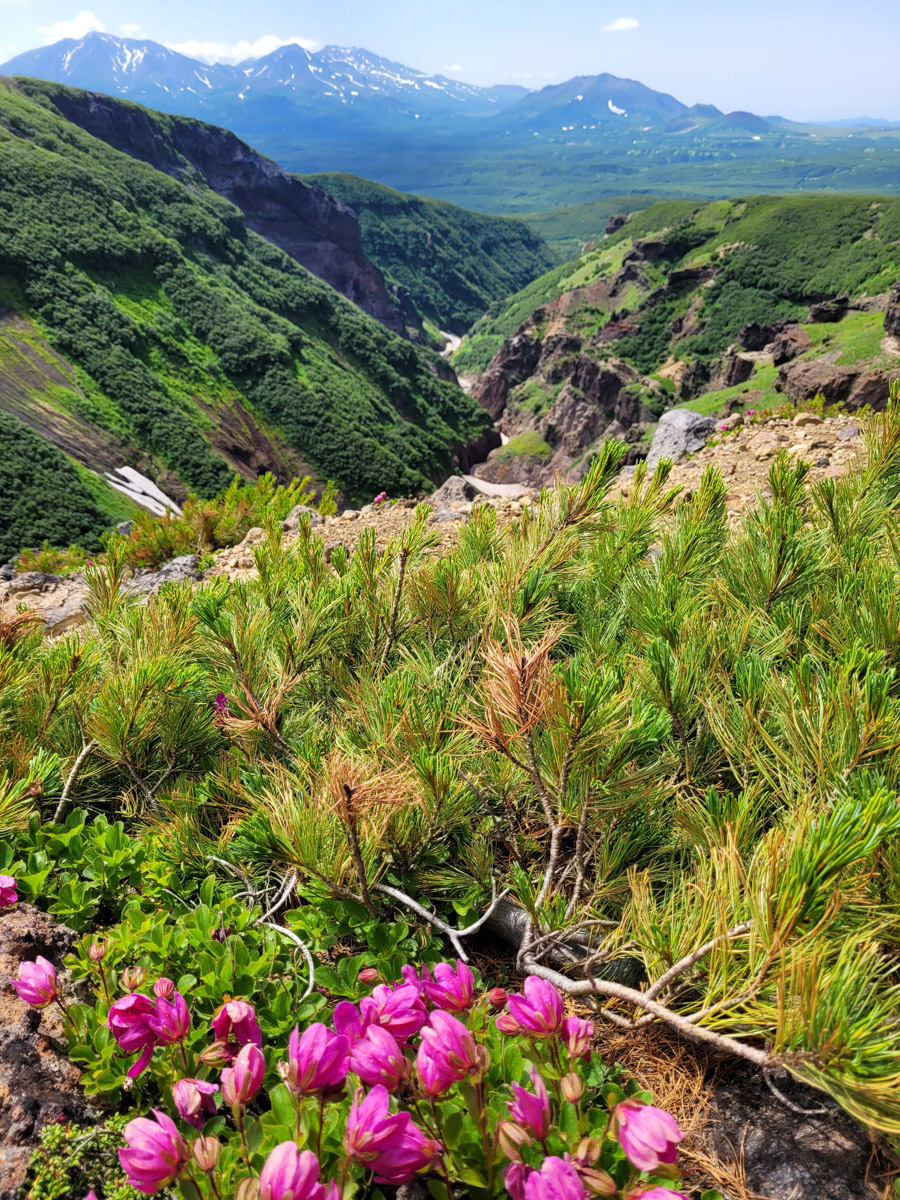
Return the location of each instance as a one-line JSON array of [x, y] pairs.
[[617, 991], [453, 934], [288, 886], [289, 933], [686, 963], [87, 748]]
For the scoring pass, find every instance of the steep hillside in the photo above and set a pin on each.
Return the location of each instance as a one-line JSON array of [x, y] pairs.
[[146, 323], [568, 228], [731, 303], [450, 264]]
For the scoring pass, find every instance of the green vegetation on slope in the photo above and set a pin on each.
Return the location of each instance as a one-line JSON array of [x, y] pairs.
[[769, 257], [197, 342], [44, 495], [714, 709], [566, 229], [451, 264]]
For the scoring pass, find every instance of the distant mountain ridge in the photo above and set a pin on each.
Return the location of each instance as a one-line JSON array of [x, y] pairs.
[[151, 73]]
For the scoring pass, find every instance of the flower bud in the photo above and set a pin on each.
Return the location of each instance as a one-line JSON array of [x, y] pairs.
[[598, 1182], [508, 1024], [496, 998], [368, 975], [572, 1088], [206, 1153], [587, 1152], [97, 950], [511, 1139], [241, 1082], [247, 1189], [216, 1055], [164, 989], [132, 978]]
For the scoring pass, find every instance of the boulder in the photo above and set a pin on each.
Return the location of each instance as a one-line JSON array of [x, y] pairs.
[[694, 379], [37, 1085], [803, 419], [615, 222], [292, 521], [679, 432], [800, 381], [828, 311], [755, 337], [892, 313], [737, 370], [790, 344], [763, 446], [124, 528], [454, 490], [180, 570]]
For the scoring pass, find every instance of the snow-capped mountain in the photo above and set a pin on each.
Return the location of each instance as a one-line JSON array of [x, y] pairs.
[[152, 74]]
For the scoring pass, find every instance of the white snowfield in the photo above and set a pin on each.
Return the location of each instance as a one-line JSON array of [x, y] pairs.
[[141, 490], [511, 491]]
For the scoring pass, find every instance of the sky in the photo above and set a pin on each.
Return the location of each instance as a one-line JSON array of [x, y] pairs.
[[794, 58]]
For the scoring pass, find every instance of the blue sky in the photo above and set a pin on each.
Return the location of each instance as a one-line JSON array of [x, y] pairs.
[[799, 59]]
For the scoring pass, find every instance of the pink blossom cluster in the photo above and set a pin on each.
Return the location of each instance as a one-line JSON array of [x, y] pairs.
[[8, 894], [408, 1038]]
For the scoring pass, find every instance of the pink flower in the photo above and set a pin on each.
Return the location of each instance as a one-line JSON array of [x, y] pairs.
[[290, 1174], [367, 975], [648, 1135], [377, 1058], [221, 705], [451, 990], [36, 984], [540, 1010], [235, 1025], [92, 1195], [172, 1022], [398, 1010], [8, 893], [496, 998], [556, 1180], [317, 1060], [242, 1081], [371, 1129], [405, 1156], [658, 1193], [751, 412], [193, 1098], [346, 1021], [414, 978], [155, 1152], [531, 1111], [577, 1035], [129, 1022], [164, 988], [507, 1024], [515, 1177], [447, 1053]]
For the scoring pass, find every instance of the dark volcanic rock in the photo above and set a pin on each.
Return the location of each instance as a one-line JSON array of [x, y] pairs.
[[892, 314], [615, 222], [694, 380], [37, 1085], [467, 455], [312, 227], [789, 344], [789, 1156], [800, 381], [517, 360], [646, 250], [828, 311], [756, 337], [737, 370]]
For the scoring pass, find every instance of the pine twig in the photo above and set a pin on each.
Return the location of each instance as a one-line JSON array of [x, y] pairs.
[[453, 934], [87, 748], [395, 610], [689, 960]]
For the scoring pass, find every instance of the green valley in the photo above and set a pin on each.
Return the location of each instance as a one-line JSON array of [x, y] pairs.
[[147, 323]]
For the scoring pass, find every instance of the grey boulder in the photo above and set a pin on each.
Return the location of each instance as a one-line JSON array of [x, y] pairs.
[[679, 432]]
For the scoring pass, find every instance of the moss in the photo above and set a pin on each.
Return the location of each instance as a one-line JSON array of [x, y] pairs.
[[529, 444]]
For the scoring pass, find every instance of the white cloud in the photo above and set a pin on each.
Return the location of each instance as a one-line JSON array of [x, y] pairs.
[[130, 30], [235, 52], [621, 25], [453, 67], [85, 22]]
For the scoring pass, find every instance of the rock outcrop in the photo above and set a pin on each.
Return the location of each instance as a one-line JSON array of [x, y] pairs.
[[802, 380], [892, 314], [37, 1084], [312, 227]]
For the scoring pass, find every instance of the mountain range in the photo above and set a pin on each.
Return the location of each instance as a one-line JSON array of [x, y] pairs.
[[499, 149]]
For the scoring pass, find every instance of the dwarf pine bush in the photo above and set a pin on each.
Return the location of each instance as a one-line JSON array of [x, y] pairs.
[[660, 754]]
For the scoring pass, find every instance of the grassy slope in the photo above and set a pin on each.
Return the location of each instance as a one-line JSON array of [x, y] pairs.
[[566, 229], [451, 263], [773, 255], [190, 335]]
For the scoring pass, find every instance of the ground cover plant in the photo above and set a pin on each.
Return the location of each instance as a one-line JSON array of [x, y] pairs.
[[657, 758]]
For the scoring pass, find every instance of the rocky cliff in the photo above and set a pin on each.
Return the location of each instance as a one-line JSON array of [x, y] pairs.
[[728, 307], [318, 231]]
